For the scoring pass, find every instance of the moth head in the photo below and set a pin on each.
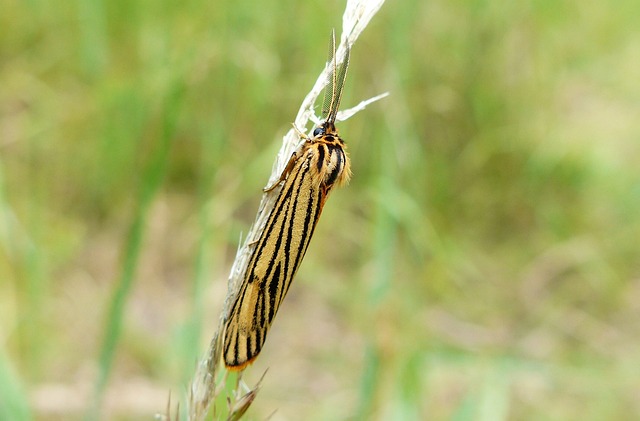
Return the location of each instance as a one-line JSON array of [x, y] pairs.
[[325, 128]]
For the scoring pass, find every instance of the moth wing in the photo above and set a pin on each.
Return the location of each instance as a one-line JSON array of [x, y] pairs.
[[244, 335], [274, 262]]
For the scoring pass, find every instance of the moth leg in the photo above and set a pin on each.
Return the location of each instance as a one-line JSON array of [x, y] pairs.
[[285, 173], [291, 162], [299, 133], [253, 242]]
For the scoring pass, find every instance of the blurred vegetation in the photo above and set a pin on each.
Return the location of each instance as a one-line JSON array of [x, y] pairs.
[[482, 265]]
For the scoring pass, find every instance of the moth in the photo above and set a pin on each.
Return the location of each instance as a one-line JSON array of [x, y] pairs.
[[310, 175]]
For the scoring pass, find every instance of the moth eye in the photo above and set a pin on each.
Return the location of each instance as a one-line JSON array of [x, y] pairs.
[[318, 131]]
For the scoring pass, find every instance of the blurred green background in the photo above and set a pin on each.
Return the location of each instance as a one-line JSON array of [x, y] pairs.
[[483, 263]]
